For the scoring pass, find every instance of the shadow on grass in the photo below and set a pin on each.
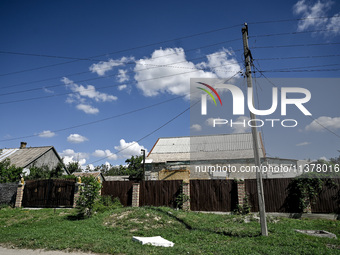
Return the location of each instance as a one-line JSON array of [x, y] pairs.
[[75, 217], [190, 227]]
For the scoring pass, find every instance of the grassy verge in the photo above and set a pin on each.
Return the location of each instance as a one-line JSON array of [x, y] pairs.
[[192, 233]]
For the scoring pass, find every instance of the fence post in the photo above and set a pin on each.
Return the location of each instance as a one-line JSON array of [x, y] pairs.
[[77, 188], [186, 192], [241, 191], [135, 194], [20, 193]]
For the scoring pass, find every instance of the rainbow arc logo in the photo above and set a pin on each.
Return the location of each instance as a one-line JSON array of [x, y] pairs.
[[209, 93]]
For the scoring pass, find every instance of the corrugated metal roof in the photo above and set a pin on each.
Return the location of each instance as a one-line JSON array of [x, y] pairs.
[[225, 146], [23, 157]]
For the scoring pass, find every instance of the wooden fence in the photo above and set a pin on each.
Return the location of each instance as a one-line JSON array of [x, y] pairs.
[[48, 193], [276, 197], [120, 189], [159, 193], [213, 195]]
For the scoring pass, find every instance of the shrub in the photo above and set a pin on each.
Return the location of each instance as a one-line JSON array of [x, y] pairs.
[[105, 203], [89, 193]]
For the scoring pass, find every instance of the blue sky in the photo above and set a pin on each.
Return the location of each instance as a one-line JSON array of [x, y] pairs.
[[117, 52]]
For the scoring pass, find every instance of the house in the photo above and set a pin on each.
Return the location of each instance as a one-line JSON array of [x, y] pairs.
[[27, 157], [223, 156], [96, 175]]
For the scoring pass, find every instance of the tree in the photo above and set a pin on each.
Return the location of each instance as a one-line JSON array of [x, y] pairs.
[[73, 167], [89, 193], [44, 172], [135, 168], [8, 172]]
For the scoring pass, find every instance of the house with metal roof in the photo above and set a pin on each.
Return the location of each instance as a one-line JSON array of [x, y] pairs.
[[208, 157], [27, 157]]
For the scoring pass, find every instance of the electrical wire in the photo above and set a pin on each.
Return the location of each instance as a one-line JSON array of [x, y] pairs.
[[149, 134], [96, 78], [316, 121], [133, 48], [111, 117]]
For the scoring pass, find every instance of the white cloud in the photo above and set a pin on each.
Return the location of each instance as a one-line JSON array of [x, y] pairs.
[[210, 121], [105, 154], [88, 92], [129, 149], [176, 80], [48, 90], [303, 144], [121, 87], [196, 127], [76, 138], [222, 63], [87, 108], [243, 127], [46, 134], [122, 76], [328, 122], [70, 155], [324, 158], [104, 66], [310, 12], [83, 95]]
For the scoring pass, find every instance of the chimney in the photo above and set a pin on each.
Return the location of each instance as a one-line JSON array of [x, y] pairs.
[[23, 145]]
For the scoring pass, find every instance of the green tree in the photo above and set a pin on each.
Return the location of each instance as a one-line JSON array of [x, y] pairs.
[[8, 172], [73, 167], [88, 196], [135, 168]]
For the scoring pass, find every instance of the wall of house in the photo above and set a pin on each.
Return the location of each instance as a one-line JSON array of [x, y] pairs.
[[228, 169], [49, 159], [181, 174]]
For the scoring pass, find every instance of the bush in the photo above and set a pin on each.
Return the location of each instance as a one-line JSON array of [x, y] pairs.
[[89, 194], [8, 172], [105, 203]]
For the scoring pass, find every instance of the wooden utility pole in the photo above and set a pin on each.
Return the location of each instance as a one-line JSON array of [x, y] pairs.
[[247, 58]]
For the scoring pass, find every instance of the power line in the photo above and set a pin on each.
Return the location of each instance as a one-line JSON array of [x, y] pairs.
[[294, 45], [111, 117], [166, 41], [301, 71], [134, 48], [288, 20], [300, 67], [157, 57], [261, 72], [149, 134], [101, 77], [292, 33], [96, 121], [297, 57]]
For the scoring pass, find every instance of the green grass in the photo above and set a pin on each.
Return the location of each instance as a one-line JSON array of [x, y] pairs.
[[193, 233]]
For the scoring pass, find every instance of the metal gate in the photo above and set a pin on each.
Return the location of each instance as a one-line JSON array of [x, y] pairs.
[[49, 193]]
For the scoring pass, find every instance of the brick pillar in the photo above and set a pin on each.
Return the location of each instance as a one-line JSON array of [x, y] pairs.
[[135, 194], [186, 191], [77, 189], [241, 192], [20, 193]]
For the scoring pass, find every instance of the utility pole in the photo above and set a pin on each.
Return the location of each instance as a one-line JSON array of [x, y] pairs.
[[143, 151], [247, 57]]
